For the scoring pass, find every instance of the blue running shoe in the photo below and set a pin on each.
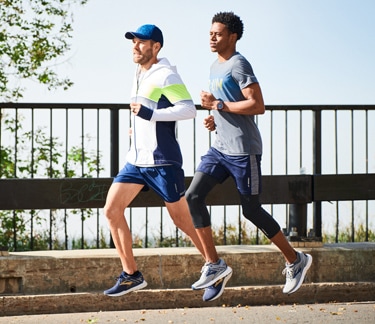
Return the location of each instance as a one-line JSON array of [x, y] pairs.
[[211, 273], [296, 272], [216, 290], [126, 284]]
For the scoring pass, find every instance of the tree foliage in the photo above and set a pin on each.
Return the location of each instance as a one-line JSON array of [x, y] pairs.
[[34, 35]]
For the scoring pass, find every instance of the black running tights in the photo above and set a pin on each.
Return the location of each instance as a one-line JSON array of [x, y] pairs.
[[252, 210]]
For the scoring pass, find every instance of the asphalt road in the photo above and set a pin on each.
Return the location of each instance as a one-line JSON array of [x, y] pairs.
[[358, 313]]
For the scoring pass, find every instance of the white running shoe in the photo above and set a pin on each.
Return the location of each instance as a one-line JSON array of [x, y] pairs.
[[296, 272], [211, 273]]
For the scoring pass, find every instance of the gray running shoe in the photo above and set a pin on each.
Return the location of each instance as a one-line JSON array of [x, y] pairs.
[[296, 272], [211, 272]]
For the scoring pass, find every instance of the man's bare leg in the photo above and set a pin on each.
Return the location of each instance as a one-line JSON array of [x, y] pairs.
[[284, 246], [120, 195], [180, 214]]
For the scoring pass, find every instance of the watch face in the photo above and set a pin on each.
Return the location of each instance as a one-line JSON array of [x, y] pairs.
[[220, 105]]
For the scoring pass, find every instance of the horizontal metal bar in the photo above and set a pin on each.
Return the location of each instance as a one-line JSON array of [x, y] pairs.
[[91, 193], [344, 187], [23, 105]]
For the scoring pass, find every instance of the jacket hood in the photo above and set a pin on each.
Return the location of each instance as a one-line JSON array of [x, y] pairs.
[[163, 64]]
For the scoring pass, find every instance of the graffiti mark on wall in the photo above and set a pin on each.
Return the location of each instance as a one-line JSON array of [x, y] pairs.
[[81, 192]]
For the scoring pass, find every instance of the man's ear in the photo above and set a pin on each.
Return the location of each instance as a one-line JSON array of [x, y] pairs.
[[157, 46], [233, 37]]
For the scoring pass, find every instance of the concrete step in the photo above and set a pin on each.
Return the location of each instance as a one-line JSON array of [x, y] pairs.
[[309, 293], [51, 281]]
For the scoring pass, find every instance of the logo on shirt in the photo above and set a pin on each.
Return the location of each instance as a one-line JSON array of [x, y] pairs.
[[216, 84]]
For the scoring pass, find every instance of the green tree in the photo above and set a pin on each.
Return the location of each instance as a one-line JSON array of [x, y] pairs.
[[34, 35]]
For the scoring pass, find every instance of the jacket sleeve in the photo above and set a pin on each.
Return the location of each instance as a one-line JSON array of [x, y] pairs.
[[180, 111]]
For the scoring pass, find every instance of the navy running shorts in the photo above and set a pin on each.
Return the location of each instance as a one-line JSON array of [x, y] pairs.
[[168, 181], [245, 170]]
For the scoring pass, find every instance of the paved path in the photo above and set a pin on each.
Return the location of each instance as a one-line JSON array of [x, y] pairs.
[[343, 313]]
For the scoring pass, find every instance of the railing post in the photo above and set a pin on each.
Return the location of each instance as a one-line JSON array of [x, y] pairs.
[[114, 149], [317, 168], [297, 220], [114, 141]]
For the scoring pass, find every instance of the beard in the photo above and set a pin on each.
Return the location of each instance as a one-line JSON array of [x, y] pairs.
[[143, 58]]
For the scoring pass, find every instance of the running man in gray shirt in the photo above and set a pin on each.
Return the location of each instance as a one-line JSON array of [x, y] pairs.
[[234, 99]]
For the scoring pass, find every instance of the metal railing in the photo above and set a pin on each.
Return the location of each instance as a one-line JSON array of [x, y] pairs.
[[91, 140]]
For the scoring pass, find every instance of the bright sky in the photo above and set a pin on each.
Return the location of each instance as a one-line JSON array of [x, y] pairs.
[[302, 51]]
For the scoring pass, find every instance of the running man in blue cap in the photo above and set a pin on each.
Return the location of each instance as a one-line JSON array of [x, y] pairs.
[[159, 98]]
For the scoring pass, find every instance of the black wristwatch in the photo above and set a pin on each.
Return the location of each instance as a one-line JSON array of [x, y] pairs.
[[219, 104]]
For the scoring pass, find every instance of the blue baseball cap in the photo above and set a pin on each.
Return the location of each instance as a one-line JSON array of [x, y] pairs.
[[147, 32]]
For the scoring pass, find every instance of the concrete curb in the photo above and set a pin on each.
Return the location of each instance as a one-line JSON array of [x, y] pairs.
[[185, 298]]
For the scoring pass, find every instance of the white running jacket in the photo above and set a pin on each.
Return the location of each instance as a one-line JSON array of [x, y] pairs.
[[164, 100]]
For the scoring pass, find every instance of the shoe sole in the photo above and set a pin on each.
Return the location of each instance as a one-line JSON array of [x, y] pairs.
[[304, 271], [227, 271], [225, 280], [140, 286]]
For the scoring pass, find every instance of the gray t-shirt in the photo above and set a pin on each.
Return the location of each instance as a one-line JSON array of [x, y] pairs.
[[235, 134]]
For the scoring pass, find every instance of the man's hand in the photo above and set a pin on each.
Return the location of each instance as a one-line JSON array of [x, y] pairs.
[[207, 100], [209, 123], [135, 107]]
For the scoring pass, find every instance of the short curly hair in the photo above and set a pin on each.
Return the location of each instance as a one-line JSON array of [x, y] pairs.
[[231, 21]]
